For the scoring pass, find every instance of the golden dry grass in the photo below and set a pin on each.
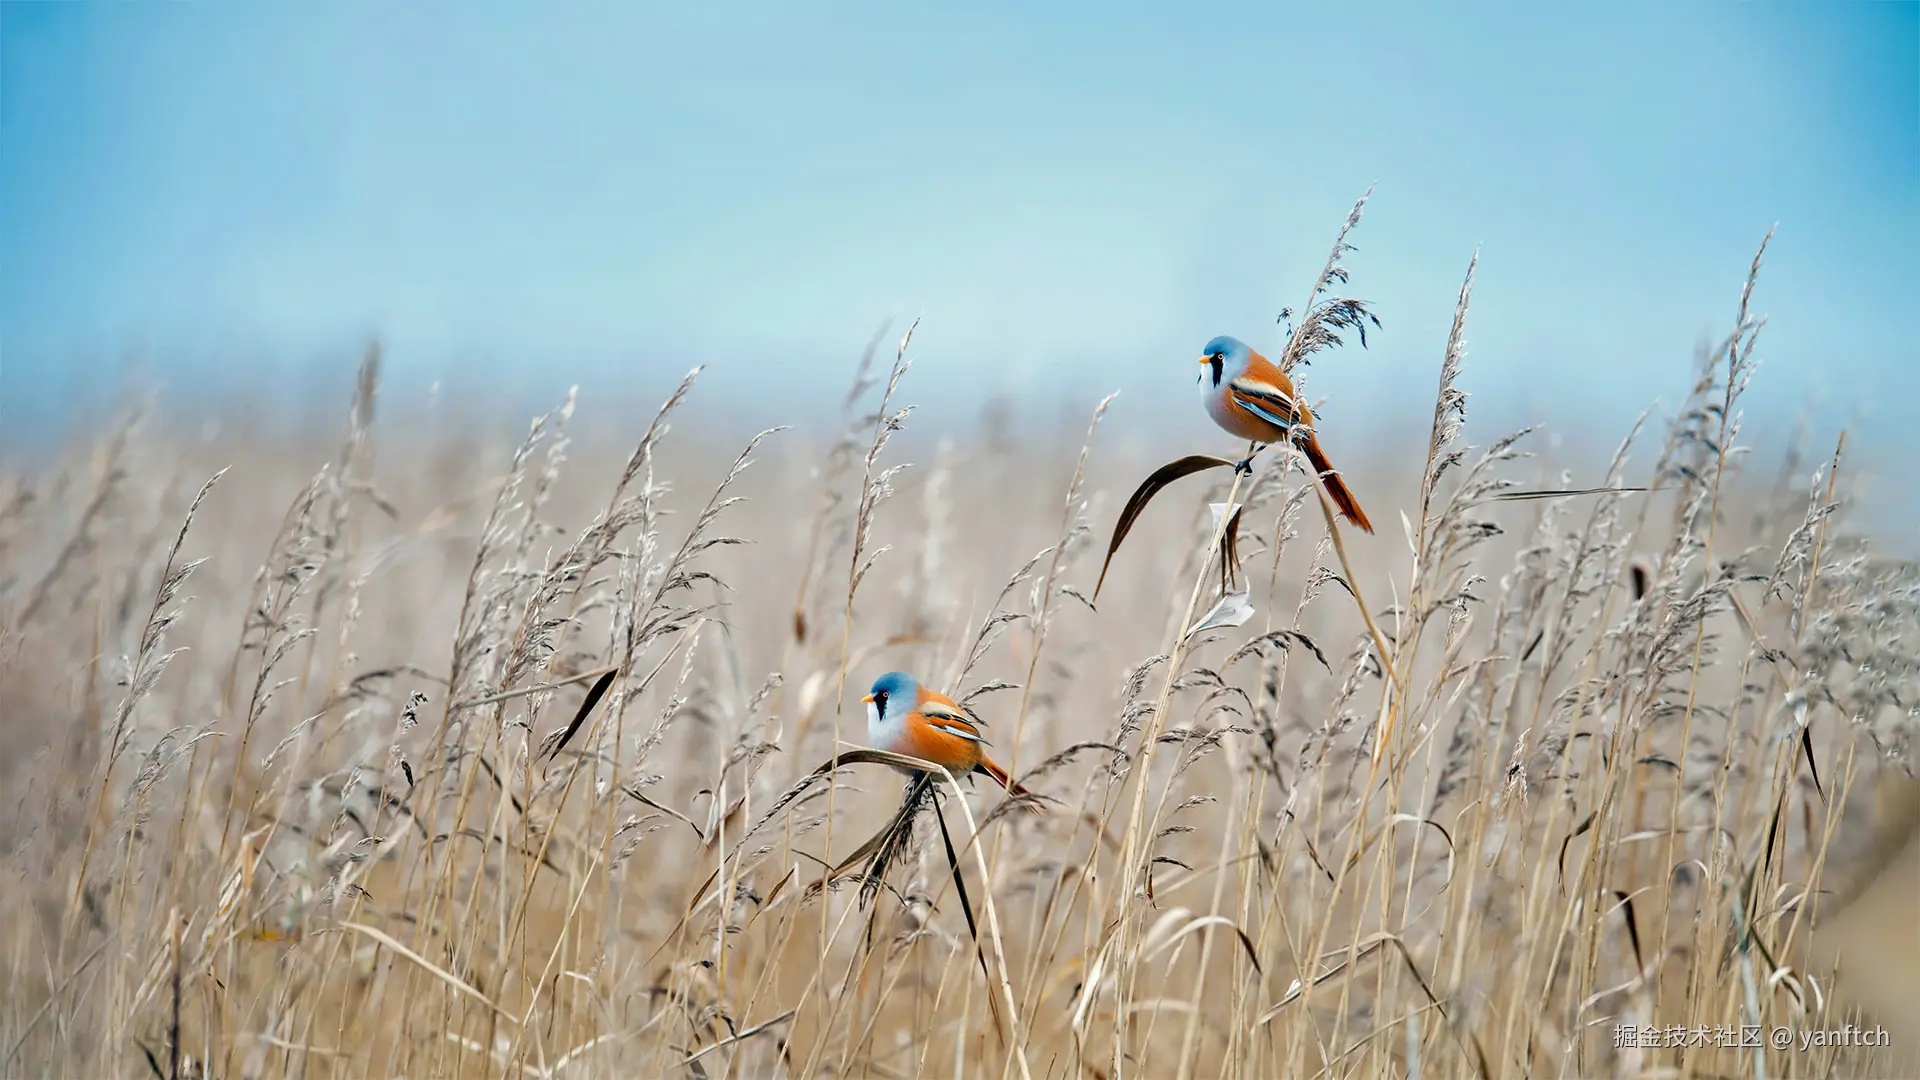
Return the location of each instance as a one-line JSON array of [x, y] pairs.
[[282, 795]]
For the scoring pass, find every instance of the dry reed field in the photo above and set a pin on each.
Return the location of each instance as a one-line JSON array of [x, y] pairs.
[[451, 752]]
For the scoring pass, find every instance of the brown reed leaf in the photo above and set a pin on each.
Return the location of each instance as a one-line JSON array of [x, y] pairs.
[[1230, 551], [634, 793], [1813, 767], [1633, 927], [1579, 830], [1137, 503], [1562, 493], [1199, 923], [594, 695]]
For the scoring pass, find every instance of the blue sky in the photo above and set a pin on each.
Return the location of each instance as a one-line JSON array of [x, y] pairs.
[[1074, 198]]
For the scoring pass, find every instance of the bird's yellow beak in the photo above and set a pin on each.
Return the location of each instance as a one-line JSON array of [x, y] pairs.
[[868, 699], [1206, 359]]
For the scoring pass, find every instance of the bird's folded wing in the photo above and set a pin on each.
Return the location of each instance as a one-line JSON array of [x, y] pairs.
[[1264, 400], [951, 721]]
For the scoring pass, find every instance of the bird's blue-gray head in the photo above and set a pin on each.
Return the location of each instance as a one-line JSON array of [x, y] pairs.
[[1232, 348], [893, 692], [1224, 356]]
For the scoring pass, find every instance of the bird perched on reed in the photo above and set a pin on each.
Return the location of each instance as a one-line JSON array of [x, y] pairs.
[[1248, 396], [904, 717]]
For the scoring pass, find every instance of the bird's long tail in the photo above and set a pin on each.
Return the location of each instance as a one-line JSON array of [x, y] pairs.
[[1000, 777], [1337, 488]]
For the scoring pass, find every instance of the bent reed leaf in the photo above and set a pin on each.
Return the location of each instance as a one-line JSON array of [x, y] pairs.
[[1229, 546], [598, 691], [1137, 504], [1515, 496]]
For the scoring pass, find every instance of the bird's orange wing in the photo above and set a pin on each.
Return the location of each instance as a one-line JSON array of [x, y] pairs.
[[1265, 391], [945, 716], [939, 732]]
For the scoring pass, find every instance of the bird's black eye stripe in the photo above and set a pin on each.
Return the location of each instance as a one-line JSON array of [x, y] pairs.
[[880, 701]]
